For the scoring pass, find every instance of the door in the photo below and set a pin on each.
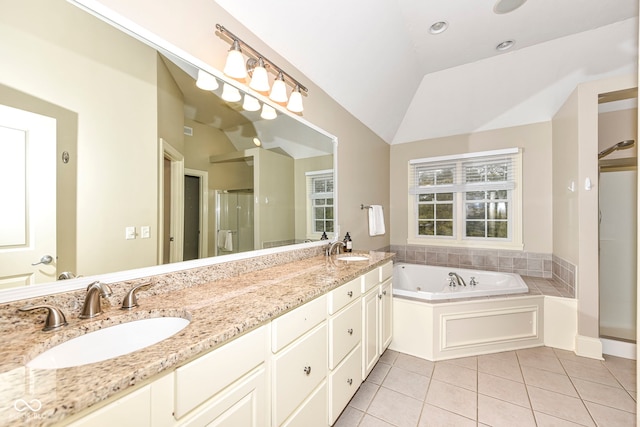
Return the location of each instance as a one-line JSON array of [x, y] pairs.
[[386, 316], [27, 197], [191, 218]]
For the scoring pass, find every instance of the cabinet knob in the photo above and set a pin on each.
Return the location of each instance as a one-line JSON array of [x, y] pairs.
[[350, 331], [350, 381], [307, 370], [379, 296], [384, 292], [350, 293]]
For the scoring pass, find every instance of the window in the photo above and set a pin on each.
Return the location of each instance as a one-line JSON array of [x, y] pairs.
[[472, 199], [320, 205]]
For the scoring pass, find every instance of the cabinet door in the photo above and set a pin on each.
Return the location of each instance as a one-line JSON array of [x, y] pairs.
[[370, 335], [297, 371], [386, 306], [132, 409], [345, 332], [241, 404]]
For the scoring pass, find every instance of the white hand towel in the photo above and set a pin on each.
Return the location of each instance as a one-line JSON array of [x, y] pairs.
[[228, 243], [376, 221], [222, 238]]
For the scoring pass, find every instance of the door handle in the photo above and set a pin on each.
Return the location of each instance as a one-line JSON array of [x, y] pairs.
[[46, 259]]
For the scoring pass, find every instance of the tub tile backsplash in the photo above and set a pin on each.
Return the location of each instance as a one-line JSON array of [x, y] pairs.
[[531, 264]]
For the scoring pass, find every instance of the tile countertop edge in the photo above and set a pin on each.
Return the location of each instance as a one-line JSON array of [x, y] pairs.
[[221, 311]]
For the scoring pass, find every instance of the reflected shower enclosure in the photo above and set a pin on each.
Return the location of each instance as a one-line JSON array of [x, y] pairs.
[[234, 221]]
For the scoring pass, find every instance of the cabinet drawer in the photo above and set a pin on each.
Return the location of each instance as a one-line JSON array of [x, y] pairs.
[[199, 380], [345, 332], [297, 370], [343, 295], [386, 271], [294, 324], [370, 279], [313, 412], [343, 383]]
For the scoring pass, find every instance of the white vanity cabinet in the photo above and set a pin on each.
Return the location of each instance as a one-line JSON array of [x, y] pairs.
[[345, 350], [376, 315], [300, 369], [299, 366]]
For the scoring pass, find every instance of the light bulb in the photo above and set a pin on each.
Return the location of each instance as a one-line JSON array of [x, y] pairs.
[[250, 103], [279, 90], [234, 66], [230, 93], [295, 101], [260, 78], [206, 81], [268, 112]]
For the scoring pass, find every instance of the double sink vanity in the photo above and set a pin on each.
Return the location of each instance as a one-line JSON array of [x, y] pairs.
[[286, 343]]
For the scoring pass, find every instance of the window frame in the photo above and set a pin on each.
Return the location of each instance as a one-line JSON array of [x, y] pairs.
[[459, 187], [311, 176]]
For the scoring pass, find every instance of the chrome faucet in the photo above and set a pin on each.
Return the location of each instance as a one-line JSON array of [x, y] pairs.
[[330, 247], [92, 307], [459, 279]]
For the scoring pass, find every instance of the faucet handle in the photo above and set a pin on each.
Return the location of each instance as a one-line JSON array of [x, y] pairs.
[[130, 299], [55, 317]]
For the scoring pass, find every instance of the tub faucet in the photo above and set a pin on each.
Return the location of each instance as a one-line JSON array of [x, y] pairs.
[[91, 307], [459, 279], [333, 245]]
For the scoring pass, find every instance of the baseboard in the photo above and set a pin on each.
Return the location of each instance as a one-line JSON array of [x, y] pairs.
[[589, 347], [616, 348]]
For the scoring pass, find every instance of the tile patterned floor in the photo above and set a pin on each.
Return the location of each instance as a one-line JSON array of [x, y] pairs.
[[533, 387]]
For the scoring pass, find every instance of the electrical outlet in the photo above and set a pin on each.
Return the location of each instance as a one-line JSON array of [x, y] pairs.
[[130, 233]]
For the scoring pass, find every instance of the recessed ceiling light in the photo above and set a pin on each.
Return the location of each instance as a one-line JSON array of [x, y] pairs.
[[505, 45], [438, 27], [506, 6]]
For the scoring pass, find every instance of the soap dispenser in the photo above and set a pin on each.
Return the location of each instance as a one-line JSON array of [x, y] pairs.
[[324, 236], [348, 244]]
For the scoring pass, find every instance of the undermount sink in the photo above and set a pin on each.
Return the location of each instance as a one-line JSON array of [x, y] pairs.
[[108, 343], [352, 258]]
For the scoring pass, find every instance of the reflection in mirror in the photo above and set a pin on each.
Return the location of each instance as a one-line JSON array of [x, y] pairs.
[[148, 168]]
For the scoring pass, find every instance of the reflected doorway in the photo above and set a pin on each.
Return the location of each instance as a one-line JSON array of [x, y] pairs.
[[234, 221]]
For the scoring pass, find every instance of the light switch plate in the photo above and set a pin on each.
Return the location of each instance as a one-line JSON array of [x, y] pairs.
[[130, 233], [145, 232]]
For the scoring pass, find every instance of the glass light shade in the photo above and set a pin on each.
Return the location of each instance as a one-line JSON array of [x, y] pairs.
[[279, 90], [234, 66], [230, 93], [260, 78], [268, 112], [295, 101], [250, 103], [206, 81], [257, 142]]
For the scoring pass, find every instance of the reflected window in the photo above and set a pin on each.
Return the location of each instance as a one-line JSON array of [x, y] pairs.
[[472, 199], [321, 203]]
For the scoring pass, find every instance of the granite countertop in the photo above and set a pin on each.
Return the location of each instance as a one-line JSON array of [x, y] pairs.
[[219, 311]]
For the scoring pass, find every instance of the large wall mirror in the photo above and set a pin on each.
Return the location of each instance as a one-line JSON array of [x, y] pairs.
[[114, 160]]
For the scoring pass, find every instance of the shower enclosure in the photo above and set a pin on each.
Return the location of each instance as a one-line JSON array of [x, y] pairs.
[[234, 221]]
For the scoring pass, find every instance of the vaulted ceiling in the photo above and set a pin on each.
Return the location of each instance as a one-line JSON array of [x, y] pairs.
[[379, 60]]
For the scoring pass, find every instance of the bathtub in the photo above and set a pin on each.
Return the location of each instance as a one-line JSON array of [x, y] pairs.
[[426, 282]]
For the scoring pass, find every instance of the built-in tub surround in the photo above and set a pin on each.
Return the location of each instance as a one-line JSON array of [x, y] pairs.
[[221, 301], [529, 264]]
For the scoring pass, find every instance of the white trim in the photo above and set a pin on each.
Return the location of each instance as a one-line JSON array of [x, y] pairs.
[[321, 172], [465, 156], [177, 202], [616, 348], [589, 347]]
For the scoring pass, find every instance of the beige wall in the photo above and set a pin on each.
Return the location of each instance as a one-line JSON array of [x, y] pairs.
[[616, 126], [363, 166], [535, 140], [109, 82], [575, 214]]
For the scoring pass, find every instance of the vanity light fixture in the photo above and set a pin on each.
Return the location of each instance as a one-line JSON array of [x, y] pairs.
[[279, 90], [268, 112], [230, 93], [250, 103], [234, 67], [295, 101], [259, 75], [206, 81], [505, 45], [257, 65]]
